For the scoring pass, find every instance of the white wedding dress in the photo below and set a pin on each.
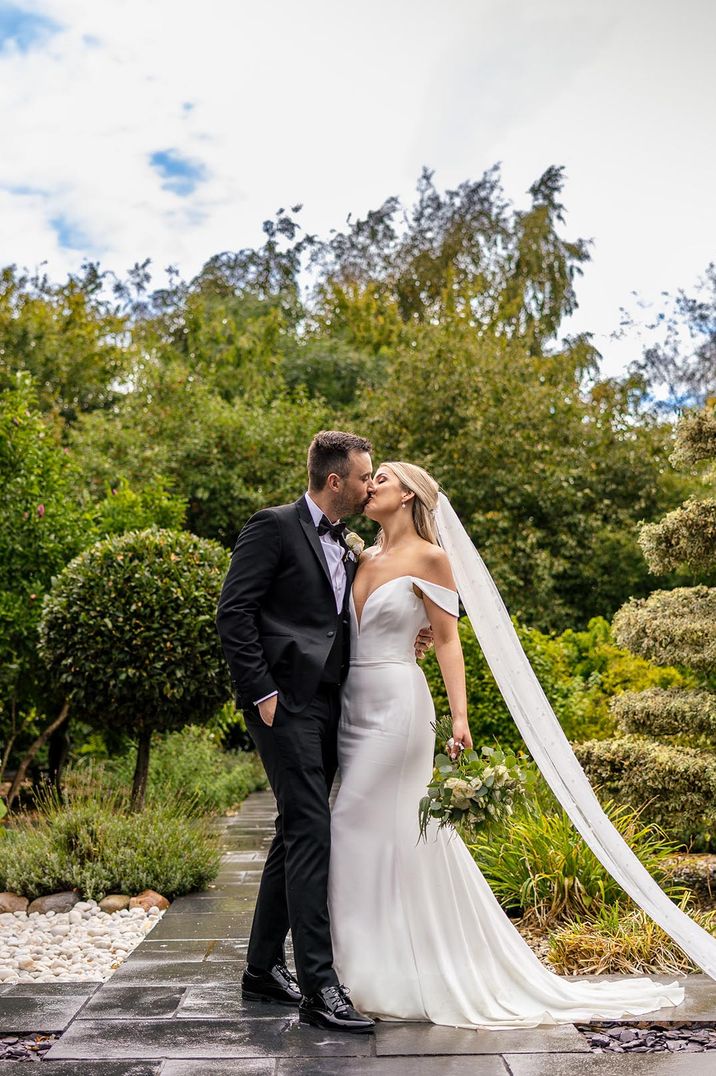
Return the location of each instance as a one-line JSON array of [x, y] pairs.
[[417, 931]]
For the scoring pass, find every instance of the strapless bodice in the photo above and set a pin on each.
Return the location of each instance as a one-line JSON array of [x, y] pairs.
[[392, 616]]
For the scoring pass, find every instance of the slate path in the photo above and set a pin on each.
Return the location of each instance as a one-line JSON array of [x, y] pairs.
[[174, 1008]]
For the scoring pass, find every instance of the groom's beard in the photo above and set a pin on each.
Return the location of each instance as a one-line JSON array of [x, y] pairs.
[[353, 508]]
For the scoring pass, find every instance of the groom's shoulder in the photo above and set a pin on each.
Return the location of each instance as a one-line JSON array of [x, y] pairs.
[[282, 511], [279, 513]]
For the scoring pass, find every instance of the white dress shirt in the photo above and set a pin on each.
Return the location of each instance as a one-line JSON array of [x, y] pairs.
[[334, 553]]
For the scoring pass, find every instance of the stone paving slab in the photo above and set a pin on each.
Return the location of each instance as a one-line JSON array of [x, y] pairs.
[[232, 905], [348, 1066], [406, 1039], [134, 1003], [24, 1014], [178, 927], [177, 973], [168, 951], [230, 950], [487, 1065], [54, 990], [88, 1068], [204, 1039], [612, 1064], [246, 1067], [241, 891], [224, 1003]]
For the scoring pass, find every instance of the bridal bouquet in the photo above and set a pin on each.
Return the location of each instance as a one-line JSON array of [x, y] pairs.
[[476, 789]]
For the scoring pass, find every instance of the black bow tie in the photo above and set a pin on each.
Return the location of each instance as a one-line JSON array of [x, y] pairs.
[[337, 530]]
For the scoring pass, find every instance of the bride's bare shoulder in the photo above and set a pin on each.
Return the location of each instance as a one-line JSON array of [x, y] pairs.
[[434, 566]]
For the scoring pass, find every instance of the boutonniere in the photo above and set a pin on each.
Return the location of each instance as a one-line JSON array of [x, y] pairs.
[[355, 543]]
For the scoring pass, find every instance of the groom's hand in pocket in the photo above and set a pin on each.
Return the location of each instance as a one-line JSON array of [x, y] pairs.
[[267, 710]]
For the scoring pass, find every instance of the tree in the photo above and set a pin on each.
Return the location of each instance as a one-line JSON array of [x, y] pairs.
[[44, 526], [70, 337], [670, 733], [128, 634], [683, 362], [227, 458], [463, 254], [549, 477]]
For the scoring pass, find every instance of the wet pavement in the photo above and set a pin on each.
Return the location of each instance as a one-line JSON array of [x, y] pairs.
[[174, 1008]]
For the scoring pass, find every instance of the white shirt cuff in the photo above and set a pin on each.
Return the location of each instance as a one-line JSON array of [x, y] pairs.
[[257, 701]]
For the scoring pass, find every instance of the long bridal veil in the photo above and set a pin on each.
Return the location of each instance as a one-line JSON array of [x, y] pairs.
[[547, 743]]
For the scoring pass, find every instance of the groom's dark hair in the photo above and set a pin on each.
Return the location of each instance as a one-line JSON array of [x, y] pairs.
[[329, 453]]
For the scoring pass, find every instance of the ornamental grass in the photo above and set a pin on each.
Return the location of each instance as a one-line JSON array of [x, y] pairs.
[[539, 866], [622, 939]]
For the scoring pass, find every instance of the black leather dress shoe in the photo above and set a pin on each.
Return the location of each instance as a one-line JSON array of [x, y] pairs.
[[332, 1008], [278, 985]]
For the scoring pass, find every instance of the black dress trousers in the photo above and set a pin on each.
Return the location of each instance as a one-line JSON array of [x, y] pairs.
[[299, 754]]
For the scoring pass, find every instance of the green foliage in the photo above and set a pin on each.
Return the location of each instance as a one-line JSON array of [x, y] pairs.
[[540, 864], [594, 656], [622, 940], [695, 437], [667, 712], [676, 781], [191, 762], [128, 631], [489, 717], [685, 536], [433, 328], [671, 627], [462, 254], [607, 670], [549, 480], [42, 528], [69, 337], [227, 458], [126, 509], [94, 845], [675, 785]]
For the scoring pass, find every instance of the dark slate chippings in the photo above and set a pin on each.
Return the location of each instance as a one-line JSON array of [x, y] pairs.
[[26, 1047], [612, 1037]]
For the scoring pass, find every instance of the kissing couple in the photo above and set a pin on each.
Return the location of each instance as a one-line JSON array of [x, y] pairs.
[[321, 638]]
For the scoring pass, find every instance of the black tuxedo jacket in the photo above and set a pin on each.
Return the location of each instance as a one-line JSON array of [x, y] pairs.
[[277, 615]]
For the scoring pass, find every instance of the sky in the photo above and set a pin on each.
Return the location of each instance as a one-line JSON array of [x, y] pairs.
[[171, 130]]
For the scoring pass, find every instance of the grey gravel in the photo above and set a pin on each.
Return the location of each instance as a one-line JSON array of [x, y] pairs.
[[640, 1038]]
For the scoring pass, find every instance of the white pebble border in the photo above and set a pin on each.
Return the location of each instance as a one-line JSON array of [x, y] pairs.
[[62, 947]]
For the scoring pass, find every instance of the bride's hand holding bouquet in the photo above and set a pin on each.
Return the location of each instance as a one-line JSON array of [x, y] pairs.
[[472, 789]]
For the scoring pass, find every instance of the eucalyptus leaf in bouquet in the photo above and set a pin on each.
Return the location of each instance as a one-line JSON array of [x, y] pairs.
[[475, 790]]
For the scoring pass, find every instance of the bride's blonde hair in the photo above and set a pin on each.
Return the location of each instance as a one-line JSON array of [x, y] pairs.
[[415, 480]]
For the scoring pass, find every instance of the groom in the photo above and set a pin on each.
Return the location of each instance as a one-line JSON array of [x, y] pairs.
[[284, 626]]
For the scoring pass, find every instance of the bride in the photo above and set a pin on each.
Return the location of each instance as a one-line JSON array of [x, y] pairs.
[[416, 930]]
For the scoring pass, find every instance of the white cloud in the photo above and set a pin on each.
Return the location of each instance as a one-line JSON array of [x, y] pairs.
[[338, 106]]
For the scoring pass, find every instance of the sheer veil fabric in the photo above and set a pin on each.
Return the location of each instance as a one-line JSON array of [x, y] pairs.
[[549, 747]]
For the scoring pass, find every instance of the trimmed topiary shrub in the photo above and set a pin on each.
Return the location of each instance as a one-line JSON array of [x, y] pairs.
[[672, 627], [667, 712], [675, 780], [128, 633], [675, 786]]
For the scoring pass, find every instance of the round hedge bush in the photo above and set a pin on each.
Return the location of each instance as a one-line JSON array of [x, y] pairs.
[[128, 633]]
